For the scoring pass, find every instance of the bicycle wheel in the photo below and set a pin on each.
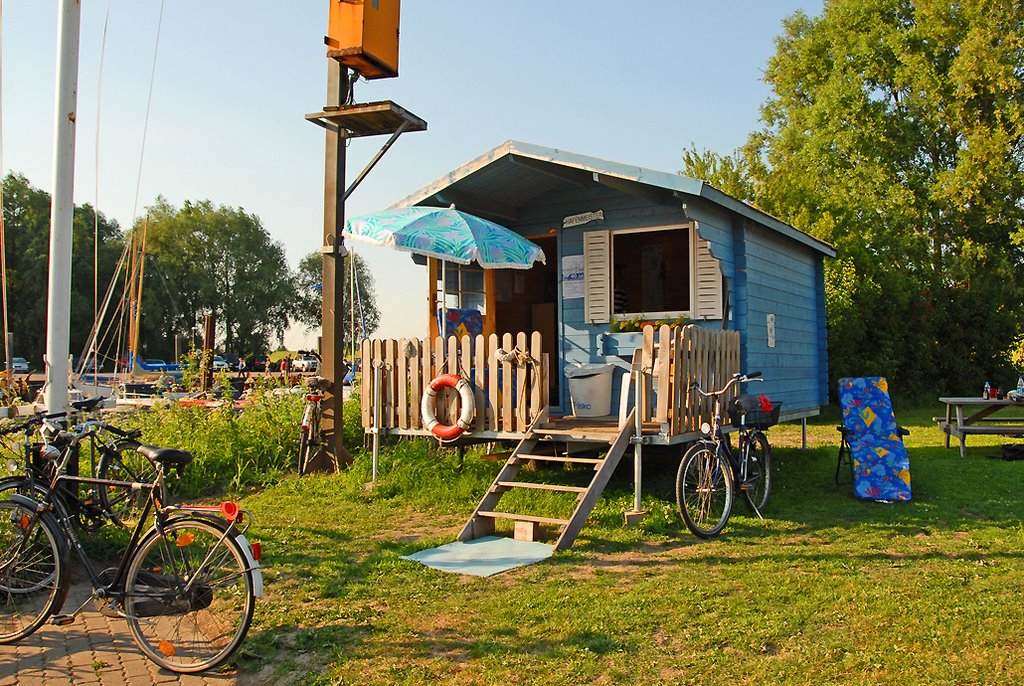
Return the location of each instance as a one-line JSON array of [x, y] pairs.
[[303, 447], [758, 485], [704, 490], [124, 504], [19, 484], [311, 443], [189, 595], [32, 570]]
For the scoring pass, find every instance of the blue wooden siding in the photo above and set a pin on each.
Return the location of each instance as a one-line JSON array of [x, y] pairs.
[[766, 272], [781, 279]]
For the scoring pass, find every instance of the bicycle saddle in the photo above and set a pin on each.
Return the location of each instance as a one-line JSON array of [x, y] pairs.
[[87, 405], [318, 383], [168, 457]]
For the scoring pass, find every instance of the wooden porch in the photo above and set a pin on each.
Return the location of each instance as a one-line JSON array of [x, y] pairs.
[[509, 377]]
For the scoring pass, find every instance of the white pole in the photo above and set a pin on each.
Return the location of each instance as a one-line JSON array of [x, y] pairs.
[[352, 301], [444, 301], [58, 307], [638, 428]]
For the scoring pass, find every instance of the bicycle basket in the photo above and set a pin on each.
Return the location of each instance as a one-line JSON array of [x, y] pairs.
[[756, 417]]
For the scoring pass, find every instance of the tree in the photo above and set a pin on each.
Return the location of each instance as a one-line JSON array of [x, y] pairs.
[[728, 173], [27, 234], [308, 298], [203, 259], [896, 132]]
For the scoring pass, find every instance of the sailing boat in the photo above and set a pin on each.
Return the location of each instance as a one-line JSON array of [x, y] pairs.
[[131, 375]]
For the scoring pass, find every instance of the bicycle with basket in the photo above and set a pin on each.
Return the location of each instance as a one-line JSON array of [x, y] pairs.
[[711, 471]]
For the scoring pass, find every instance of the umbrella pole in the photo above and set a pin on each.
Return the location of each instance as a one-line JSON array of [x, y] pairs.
[[444, 301]]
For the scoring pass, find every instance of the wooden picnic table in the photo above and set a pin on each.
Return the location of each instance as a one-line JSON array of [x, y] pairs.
[[977, 416]]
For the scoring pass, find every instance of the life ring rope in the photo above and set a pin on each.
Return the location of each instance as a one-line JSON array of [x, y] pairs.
[[447, 432]]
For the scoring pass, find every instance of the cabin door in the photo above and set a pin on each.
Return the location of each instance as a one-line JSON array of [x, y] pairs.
[[527, 300]]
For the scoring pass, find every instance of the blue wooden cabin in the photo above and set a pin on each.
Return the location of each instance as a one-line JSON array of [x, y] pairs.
[[627, 243]]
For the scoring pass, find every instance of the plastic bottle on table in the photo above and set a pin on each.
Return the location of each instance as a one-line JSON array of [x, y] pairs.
[[1020, 386], [987, 393]]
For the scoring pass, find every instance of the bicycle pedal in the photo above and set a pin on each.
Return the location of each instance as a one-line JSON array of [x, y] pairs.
[[62, 620]]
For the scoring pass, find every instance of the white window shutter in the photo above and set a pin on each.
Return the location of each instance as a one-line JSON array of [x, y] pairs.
[[597, 276], [709, 283]]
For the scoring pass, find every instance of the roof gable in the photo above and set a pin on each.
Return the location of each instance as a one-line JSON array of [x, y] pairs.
[[522, 171]]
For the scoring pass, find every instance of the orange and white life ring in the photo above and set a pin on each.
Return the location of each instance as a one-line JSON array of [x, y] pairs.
[[447, 432]]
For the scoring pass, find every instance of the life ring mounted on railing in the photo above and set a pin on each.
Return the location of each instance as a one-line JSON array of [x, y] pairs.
[[447, 432]]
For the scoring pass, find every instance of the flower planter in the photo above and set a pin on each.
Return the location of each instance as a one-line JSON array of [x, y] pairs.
[[622, 343]]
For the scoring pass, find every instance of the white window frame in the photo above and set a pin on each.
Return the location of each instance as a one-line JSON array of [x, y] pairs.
[[691, 227]]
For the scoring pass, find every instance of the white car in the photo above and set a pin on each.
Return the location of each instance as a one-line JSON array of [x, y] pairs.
[[220, 364], [305, 363], [19, 365]]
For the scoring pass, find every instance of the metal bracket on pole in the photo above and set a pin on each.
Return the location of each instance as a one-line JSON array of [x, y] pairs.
[[376, 158]]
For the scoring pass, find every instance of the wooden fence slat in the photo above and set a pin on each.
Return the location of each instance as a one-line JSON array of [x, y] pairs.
[[647, 362], [375, 387], [479, 389], [664, 367], [390, 378], [366, 365], [536, 350], [415, 383], [492, 382], [522, 372], [402, 381], [506, 386]]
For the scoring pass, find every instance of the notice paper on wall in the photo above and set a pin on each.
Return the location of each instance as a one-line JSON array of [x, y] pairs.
[[572, 276]]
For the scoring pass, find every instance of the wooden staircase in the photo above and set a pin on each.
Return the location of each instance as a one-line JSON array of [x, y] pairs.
[[481, 523]]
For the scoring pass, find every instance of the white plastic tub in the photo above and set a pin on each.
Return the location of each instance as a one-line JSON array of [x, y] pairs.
[[590, 389]]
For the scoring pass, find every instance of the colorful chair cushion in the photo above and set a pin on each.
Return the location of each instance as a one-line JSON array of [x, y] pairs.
[[881, 465]]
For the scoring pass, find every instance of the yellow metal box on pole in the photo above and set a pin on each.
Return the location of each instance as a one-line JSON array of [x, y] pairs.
[[363, 35]]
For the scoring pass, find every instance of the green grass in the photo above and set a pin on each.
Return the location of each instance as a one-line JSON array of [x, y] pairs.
[[827, 589]]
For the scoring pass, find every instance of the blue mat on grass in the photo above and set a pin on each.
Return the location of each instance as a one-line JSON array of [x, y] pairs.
[[482, 556]]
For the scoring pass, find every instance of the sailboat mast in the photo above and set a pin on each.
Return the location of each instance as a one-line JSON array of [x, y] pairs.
[[58, 306], [137, 322]]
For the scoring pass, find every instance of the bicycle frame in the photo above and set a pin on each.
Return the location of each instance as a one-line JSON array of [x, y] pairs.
[[716, 435]]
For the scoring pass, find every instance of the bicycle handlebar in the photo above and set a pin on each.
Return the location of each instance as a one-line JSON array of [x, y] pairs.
[[736, 378]]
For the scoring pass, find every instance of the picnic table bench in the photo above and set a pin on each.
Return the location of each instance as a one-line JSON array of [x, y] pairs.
[[978, 416]]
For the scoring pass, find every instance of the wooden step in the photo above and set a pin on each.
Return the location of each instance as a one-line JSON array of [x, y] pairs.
[[580, 433], [568, 458], [522, 517], [542, 487]]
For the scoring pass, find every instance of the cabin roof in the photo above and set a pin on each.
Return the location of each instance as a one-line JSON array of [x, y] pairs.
[[496, 184]]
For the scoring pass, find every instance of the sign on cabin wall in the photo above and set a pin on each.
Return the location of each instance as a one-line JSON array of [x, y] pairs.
[[581, 219], [572, 277]]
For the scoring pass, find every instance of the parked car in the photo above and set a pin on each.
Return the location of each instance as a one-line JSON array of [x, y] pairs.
[[19, 365], [257, 363], [220, 364], [234, 363], [305, 363]]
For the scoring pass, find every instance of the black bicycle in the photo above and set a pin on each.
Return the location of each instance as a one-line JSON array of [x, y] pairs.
[[710, 472], [112, 455], [186, 585]]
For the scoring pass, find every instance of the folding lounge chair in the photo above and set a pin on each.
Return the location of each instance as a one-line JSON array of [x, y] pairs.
[[872, 441]]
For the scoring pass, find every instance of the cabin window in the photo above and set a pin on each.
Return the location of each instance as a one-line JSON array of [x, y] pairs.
[[464, 287], [651, 272], [659, 273]]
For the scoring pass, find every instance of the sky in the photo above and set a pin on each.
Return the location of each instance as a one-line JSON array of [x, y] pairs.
[[635, 83]]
